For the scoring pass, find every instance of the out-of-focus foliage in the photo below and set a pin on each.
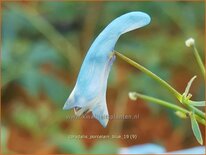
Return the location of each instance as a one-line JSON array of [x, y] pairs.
[[43, 45], [4, 137]]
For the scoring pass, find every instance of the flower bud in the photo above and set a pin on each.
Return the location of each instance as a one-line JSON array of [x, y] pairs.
[[190, 42], [133, 96]]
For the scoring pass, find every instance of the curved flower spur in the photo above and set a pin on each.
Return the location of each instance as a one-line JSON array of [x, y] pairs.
[[89, 93]]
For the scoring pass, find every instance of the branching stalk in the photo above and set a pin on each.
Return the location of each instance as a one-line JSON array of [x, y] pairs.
[[198, 112], [169, 105]]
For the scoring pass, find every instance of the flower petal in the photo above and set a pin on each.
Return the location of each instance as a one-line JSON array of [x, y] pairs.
[[100, 112], [89, 93]]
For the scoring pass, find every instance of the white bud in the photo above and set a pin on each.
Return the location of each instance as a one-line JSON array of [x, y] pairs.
[[181, 114], [132, 96], [190, 42]]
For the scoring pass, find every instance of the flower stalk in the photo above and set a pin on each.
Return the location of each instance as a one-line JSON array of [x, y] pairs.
[[180, 97], [151, 74], [169, 105], [191, 43], [199, 60]]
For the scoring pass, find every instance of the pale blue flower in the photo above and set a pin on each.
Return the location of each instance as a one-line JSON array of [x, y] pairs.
[[89, 93]]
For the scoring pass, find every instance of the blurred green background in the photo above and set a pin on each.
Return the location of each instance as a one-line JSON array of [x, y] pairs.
[[43, 46]]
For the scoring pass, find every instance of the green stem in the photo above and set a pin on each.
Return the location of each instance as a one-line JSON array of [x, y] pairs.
[[196, 111], [163, 83], [163, 103], [169, 105], [199, 60], [200, 120], [149, 73]]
